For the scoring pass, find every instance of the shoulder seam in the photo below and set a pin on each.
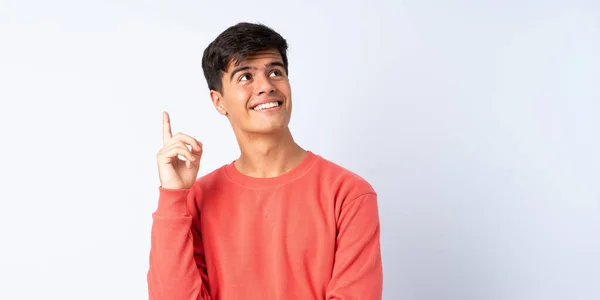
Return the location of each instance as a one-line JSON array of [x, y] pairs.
[[357, 197]]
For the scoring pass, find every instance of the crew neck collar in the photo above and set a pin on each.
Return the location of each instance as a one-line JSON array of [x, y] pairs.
[[256, 182]]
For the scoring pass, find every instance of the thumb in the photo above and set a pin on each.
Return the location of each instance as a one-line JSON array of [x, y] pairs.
[[197, 153]]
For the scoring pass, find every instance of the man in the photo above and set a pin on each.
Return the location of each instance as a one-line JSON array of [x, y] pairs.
[[279, 222]]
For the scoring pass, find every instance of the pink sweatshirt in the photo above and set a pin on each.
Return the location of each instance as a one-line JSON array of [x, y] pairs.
[[311, 233]]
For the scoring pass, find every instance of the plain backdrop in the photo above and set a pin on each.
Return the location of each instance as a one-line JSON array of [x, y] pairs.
[[476, 121]]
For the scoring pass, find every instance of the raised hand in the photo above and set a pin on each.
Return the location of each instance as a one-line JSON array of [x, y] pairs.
[[176, 173]]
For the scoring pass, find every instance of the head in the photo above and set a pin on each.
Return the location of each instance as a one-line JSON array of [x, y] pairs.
[[246, 69]]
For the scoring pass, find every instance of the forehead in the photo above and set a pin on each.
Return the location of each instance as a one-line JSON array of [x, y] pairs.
[[256, 59]]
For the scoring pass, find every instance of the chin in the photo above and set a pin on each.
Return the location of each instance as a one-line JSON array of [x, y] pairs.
[[273, 128]]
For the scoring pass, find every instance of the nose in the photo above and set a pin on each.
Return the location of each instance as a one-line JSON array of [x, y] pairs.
[[264, 85]]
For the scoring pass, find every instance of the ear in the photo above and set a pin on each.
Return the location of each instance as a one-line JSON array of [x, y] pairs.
[[217, 100]]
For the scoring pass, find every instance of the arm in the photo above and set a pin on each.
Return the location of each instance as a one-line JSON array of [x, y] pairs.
[[177, 267], [358, 272]]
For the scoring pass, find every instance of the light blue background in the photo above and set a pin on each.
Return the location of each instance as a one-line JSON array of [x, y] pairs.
[[476, 121]]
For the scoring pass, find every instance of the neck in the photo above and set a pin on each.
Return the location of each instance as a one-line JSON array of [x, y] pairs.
[[266, 156]]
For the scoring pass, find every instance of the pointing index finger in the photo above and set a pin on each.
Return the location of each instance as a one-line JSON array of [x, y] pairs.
[[167, 135]]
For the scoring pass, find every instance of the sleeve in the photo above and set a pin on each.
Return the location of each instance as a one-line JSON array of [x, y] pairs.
[[177, 267], [357, 271]]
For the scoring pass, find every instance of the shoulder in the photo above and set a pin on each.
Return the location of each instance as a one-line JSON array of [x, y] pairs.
[[210, 180], [344, 182]]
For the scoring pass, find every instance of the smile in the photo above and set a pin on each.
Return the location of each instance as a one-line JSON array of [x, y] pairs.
[[267, 105]]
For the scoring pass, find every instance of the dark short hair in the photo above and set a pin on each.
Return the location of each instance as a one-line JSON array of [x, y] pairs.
[[234, 45]]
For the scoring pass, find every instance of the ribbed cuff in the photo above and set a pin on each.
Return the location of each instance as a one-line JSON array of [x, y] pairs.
[[172, 201]]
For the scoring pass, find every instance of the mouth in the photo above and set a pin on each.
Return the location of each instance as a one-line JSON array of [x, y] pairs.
[[268, 105]]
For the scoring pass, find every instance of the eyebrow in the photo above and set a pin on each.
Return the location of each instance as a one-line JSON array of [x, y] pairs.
[[245, 68]]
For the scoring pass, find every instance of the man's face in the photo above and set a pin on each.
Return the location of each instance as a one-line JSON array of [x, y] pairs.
[[256, 94]]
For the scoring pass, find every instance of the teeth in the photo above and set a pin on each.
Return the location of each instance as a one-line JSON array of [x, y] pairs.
[[267, 105]]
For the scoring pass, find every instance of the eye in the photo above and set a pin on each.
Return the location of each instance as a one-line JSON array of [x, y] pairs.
[[245, 77], [277, 72]]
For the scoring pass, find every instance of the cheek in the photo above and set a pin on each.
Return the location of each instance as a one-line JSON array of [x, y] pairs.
[[284, 87], [238, 98]]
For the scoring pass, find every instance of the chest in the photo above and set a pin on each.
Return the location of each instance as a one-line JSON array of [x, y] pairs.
[[270, 221]]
